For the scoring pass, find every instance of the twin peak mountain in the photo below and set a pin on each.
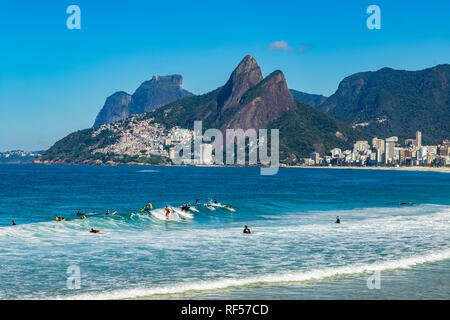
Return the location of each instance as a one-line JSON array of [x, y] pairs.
[[246, 101]]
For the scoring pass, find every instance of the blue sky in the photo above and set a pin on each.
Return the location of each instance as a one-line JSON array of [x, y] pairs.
[[54, 81]]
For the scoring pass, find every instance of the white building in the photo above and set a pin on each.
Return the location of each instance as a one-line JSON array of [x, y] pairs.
[[336, 152], [315, 156], [418, 139], [361, 146], [390, 152]]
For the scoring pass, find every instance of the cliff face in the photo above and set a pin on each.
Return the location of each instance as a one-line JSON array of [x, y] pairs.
[[262, 103], [246, 75], [115, 109], [152, 94]]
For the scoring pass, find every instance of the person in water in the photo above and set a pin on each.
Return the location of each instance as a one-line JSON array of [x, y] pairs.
[[79, 213], [197, 202], [82, 217], [338, 220], [94, 231], [167, 211], [107, 212], [246, 229], [13, 223], [59, 218], [215, 201]]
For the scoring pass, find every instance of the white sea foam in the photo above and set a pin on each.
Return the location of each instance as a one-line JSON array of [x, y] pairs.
[[159, 214], [300, 276]]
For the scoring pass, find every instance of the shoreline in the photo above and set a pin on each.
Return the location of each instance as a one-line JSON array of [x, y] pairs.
[[404, 168], [412, 168]]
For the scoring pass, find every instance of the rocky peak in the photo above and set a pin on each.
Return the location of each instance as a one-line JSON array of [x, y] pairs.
[[246, 75], [175, 79], [263, 103], [151, 94], [115, 108]]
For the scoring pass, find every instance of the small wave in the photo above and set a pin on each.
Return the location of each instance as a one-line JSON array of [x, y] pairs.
[[159, 214], [300, 276], [148, 171]]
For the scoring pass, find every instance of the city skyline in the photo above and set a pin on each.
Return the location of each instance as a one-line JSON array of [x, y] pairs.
[[386, 152]]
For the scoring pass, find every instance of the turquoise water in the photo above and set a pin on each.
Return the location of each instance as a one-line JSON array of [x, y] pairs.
[[296, 250]]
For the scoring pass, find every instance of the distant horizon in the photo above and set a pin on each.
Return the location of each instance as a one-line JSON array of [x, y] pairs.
[[54, 81]]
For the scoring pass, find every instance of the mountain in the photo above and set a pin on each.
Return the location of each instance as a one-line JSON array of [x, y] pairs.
[[395, 102], [247, 100], [150, 95], [314, 100]]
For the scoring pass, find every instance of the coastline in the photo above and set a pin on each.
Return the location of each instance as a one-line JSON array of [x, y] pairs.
[[412, 168], [111, 163]]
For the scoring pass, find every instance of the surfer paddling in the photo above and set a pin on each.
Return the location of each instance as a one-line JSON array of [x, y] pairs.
[[95, 231]]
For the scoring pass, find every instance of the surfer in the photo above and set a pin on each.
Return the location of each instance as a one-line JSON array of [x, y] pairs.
[[107, 212], [215, 201], [197, 202], [95, 231], [246, 229], [82, 217], [79, 213], [167, 211], [59, 218], [338, 220], [13, 223]]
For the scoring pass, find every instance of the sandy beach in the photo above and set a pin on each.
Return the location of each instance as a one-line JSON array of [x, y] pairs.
[[412, 168]]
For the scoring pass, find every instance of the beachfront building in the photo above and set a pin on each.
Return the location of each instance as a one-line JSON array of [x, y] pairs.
[[315, 157], [336, 153], [418, 139], [361, 146], [390, 152]]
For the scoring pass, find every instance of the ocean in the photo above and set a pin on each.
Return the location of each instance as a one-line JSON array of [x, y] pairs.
[[295, 251]]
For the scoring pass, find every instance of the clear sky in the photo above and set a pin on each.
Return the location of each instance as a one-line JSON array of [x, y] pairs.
[[54, 81]]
